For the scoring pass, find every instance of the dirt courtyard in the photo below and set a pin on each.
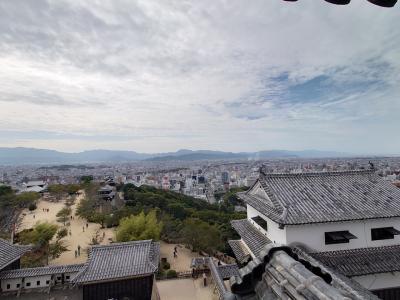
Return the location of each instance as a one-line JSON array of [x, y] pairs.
[[186, 289], [80, 234], [183, 259]]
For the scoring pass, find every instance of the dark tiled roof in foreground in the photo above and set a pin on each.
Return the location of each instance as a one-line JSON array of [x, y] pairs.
[[120, 260], [362, 261], [383, 3], [325, 197], [48, 270], [281, 273], [10, 253], [241, 253], [251, 236]]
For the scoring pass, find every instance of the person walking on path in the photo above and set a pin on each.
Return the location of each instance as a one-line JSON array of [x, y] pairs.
[[76, 254]]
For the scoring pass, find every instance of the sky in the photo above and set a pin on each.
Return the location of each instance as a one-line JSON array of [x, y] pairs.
[[232, 75]]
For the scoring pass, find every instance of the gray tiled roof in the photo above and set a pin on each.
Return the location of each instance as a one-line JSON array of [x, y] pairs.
[[227, 271], [48, 270], [250, 235], [120, 260], [362, 261], [199, 262], [356, 290], [218, 280], [325, 197], [241, 253], [10, 253]]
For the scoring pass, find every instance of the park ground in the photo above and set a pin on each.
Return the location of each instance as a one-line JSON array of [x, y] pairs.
[[84, 238], [80, 234]]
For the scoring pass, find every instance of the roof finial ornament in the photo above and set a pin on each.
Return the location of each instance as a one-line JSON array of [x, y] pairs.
[[371, 165], [262, 169]]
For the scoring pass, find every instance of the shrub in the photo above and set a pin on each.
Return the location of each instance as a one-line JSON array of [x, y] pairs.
[[165, 265], [172, 274], [32, 206], [63, 232]]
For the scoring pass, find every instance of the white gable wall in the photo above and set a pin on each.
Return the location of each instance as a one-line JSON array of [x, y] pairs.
[[12, 282], [275, 234], [313, 235]]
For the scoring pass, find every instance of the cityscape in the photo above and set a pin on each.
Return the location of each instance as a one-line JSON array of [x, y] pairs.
[[199, 179], [199, 150]]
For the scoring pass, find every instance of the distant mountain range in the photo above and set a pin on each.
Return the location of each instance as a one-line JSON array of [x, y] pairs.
[[19, 156]]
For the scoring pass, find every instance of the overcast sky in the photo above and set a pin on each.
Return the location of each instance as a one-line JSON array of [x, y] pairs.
[[155, 76]]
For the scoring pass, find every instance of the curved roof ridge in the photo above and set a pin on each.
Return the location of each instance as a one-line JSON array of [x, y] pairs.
[[323, 173], [122, 244], [376, 248]]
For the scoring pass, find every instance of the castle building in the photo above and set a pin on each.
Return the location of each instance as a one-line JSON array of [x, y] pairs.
[[116, 271], [345, 224]]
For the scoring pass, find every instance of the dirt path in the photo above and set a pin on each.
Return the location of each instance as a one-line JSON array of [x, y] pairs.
[[80, 234]]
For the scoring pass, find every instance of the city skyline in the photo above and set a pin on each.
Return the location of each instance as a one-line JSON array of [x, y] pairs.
[[157, 77]]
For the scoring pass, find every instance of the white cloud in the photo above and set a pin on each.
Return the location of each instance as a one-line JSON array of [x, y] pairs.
[[163, 75]]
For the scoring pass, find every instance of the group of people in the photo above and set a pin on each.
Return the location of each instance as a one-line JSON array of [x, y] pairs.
[[43, 209]]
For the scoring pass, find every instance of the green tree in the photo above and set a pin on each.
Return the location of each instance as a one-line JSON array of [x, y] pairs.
[[25, 199], [57, 190], [99, 218], [200, 235], [177, 210], [40, 236], [140, 227], [63, 232], [63, 214], [72, 188], [56, 249], [86, 179]]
